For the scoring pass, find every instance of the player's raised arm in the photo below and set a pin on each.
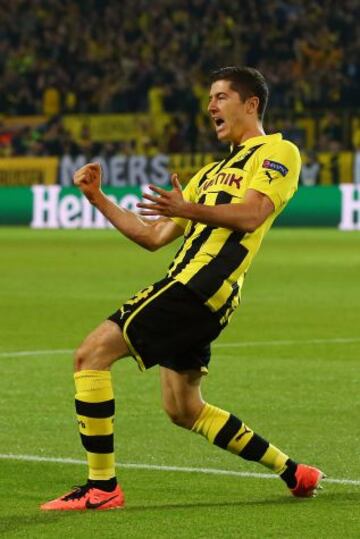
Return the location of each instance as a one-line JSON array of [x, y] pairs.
[[149, 234], [245, 216]]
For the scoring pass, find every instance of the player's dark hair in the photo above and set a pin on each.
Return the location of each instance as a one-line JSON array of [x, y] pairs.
[[247, 82]]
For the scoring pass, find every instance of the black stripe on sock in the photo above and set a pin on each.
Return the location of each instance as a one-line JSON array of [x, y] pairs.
[[228, 431], [255, 448], [95, 409], [98, 444]]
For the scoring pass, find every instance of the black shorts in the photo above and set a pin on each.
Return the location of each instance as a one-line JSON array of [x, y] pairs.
[[166, 324]]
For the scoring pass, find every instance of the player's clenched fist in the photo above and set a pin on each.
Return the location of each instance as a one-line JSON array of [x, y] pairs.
[[88, 179]]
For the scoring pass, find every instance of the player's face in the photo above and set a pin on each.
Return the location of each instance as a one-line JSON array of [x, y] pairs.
[[228, 112]]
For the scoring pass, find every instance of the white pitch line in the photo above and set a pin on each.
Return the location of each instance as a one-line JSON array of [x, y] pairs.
[[243, 344], [214, 471], [339, 340], [23, 353]]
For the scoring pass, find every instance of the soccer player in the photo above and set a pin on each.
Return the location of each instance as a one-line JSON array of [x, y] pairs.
[[223, 214]]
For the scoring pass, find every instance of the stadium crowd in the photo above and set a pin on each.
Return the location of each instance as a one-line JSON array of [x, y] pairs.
[[100, 56]]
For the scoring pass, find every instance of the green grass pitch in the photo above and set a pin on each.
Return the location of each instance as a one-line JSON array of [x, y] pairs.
[[288, 364]]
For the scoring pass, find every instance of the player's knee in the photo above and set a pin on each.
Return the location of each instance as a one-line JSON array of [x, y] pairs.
[[181, 417], [80, 358], [91, 357]]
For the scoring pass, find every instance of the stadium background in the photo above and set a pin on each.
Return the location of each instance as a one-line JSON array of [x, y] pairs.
[[131, 91], [125, 84]]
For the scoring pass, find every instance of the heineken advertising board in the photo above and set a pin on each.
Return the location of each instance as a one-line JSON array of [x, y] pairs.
[[54, 206]]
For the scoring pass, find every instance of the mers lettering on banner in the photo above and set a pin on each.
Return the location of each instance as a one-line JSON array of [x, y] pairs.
[[327, 168], [120, 170]]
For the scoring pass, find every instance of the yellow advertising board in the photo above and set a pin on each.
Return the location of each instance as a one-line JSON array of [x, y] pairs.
[[22, 121], [28, 170], [114, 127]]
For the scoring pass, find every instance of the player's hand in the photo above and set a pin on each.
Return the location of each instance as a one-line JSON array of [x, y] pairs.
[[165, 203], [88, 180]]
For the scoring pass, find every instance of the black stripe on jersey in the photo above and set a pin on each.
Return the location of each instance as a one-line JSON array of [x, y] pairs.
[[242, 162], [95, 409], [98, 444], [191, 231], [204, 176], [221, 312], [255, 448], [210, 277], [192, 250], [231, 155], [227, 432], [221, 164], [222, 198], [192, 228]]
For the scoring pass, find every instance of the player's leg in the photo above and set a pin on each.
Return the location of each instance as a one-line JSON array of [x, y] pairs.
[[95, 409], [94, 399], [101, 348], [183, 403], [181, 396]]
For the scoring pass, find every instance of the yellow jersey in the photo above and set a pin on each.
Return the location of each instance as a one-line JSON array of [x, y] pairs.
[[212, 260]]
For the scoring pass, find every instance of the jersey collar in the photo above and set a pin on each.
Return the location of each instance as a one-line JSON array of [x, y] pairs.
[[275, 137]]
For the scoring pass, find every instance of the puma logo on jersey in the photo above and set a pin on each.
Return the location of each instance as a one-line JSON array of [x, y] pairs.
[[269, 176]]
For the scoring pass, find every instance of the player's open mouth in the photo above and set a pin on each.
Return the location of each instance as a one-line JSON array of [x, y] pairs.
[[219, 123]]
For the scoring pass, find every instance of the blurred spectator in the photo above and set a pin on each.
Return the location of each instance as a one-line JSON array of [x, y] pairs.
[[174, 137], [331, 133], [331, 127], [309, 53], [291, 132], [310, 170], [158, 60]]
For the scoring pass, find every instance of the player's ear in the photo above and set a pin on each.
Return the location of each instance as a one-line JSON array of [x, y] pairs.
[[252, 104]]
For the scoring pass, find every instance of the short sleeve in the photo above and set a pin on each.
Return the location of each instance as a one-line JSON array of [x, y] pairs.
[[277, 172]]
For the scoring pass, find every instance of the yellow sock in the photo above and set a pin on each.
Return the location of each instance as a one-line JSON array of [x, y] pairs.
[[228, 432], [95, 409]]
